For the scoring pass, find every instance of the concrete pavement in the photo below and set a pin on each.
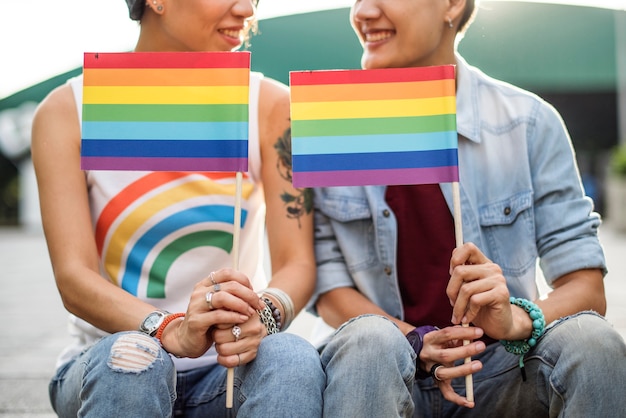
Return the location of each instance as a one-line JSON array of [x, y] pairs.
[[34, 320]]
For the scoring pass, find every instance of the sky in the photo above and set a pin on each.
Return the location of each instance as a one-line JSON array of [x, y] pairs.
[[40, 38]]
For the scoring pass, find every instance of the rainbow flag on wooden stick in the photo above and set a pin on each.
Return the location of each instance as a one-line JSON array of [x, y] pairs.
[[367, 127], [165, 111]]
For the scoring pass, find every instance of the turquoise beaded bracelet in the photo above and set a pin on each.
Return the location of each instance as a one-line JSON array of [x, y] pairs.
[[521, 347]]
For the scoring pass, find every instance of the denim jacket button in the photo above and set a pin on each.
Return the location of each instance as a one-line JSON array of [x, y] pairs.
[[507, 211], [386, 213]]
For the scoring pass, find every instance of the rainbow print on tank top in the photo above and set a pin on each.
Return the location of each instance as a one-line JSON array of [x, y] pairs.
[[149, 226]]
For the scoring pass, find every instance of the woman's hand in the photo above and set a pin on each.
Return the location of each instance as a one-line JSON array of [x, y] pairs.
[[479, 294], [238, 344], [445, 347], [223, 299]]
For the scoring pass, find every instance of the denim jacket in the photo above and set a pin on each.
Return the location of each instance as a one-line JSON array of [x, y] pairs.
[[521, 201]]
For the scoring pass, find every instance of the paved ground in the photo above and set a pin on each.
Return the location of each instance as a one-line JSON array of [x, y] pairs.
[[34, 330]]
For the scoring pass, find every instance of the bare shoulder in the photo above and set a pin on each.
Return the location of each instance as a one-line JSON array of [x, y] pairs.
[[57, 112], [273, 90], [273, 98], [55, 138], [274, 113]]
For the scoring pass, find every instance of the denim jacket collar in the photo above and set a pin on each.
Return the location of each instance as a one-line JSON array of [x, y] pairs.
[[468, 115]]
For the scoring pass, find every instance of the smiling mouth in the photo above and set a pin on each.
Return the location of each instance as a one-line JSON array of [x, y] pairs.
[[378, 36], [232, 33]]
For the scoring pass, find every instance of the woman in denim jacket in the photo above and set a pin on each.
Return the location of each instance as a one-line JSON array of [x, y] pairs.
[[386, 281]]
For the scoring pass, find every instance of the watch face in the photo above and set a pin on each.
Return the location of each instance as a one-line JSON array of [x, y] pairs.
[[152, 320]]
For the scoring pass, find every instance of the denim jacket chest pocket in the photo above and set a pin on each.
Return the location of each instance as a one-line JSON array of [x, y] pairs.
[[509, 232], [348, 212]]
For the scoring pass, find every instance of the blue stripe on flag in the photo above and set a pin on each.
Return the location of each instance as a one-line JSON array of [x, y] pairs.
[[375, 160], [164, 148], [165, 130], [374, 143]]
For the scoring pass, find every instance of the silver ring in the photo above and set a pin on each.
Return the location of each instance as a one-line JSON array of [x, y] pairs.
[[208, 297], [236, 332], [212, 277], [217, 287], [433, 371], [239, 357]]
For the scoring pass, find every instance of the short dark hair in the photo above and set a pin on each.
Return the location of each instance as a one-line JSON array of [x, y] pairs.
[[468, 15], [135, 8]]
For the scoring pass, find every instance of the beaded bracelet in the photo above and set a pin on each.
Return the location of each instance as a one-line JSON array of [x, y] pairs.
[[169, 318], [283, 299], [267, 317], [521, 347]]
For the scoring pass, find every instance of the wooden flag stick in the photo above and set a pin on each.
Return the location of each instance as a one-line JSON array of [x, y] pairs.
[[458, 234], [230, 375]]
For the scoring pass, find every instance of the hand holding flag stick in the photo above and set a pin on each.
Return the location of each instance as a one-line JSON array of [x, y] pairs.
[[168, 111], [377, 127]]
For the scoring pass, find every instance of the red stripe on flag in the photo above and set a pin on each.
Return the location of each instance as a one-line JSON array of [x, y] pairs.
[[167, 59], [383, 75]]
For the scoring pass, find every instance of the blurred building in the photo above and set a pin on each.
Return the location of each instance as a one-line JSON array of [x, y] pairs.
[[573, 56]]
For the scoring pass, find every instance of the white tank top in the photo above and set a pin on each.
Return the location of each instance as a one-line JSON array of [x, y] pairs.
[[159, 233]]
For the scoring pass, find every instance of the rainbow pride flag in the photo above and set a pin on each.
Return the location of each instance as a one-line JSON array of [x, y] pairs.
[[165, 111], [369, 127]]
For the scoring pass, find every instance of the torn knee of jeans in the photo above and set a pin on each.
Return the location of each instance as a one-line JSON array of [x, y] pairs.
[[133, 353]]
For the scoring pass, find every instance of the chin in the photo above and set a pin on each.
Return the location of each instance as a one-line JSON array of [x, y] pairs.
[[370, 63]]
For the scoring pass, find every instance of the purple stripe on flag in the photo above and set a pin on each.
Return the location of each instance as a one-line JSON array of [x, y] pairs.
[[429, 175], [164, 164]]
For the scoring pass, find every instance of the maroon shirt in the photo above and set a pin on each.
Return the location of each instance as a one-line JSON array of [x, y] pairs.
[[425, 243]]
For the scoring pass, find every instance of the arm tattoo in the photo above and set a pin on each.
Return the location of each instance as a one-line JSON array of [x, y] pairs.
[[301, 202]]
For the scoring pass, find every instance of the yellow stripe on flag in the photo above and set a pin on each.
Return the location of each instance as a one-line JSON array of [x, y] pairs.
[[373, 109], [165, 95]]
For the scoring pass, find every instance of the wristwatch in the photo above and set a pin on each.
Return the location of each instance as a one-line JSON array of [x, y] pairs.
[[152, 322], [416, 339]]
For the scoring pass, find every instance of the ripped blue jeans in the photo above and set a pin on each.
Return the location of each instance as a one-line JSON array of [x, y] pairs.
[[129, 375]]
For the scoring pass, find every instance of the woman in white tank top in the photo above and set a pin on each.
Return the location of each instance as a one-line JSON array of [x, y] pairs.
[[143, 260]]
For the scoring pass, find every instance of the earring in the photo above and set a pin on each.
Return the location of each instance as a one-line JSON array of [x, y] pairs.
[[450, 24], [154, 2], [160, 8]]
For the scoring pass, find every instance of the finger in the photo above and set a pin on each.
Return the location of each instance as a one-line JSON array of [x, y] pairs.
[[435, 340], [468, 253], [449, 394], [232, 296], [444, 376], [462, 275], [472, 295], [226, 275]]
